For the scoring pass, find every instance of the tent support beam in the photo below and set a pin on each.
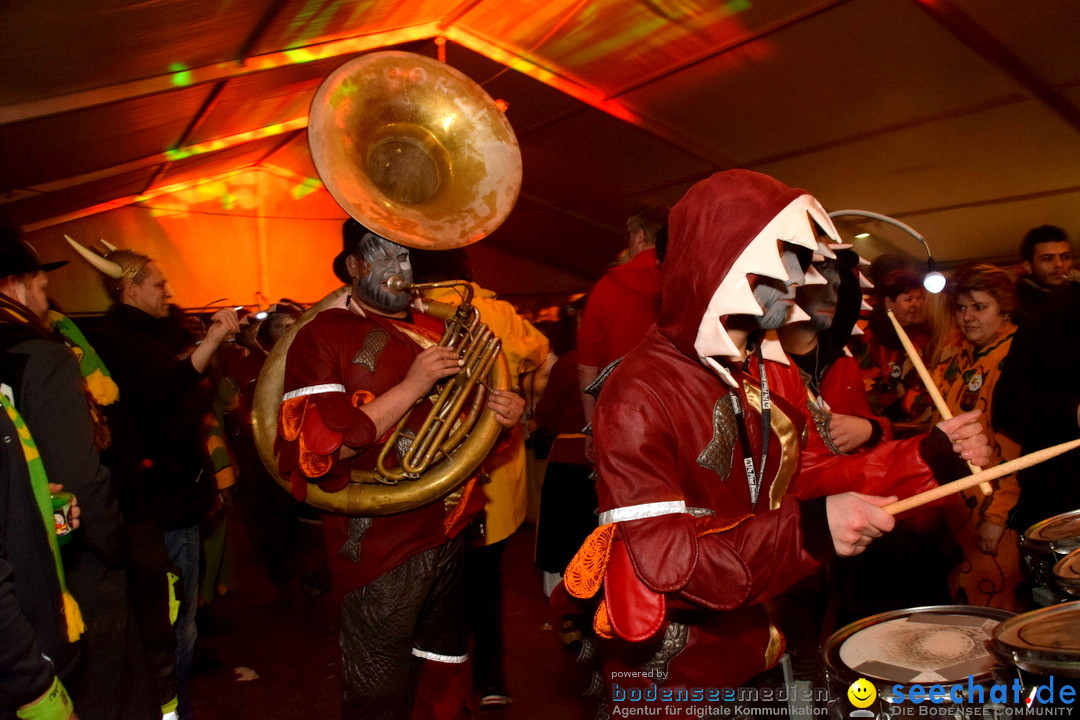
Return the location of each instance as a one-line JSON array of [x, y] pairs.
[[990, 49], [19, 112]]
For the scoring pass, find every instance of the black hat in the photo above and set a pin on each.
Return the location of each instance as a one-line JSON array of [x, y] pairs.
[[18, 258], [351, 234]]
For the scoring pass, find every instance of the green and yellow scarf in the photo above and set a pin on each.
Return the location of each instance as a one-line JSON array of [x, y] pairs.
[[40, 484]]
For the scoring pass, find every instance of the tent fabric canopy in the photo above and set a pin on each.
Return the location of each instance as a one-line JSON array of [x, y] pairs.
[[178, 126]]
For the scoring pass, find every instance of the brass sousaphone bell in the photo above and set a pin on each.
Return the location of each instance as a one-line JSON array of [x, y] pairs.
[[419, 153]]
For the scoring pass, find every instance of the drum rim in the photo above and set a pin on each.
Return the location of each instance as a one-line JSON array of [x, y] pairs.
[[1045, 546], [1040, 662], [830, 649]]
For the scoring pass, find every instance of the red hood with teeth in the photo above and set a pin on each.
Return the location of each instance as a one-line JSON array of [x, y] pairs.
[[708, 229]]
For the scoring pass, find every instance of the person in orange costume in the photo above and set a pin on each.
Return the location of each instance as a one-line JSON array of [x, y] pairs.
[[988, 573]]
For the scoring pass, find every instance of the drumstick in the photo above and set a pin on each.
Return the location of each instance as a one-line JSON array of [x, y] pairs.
[[1020, 463], [935, 394]]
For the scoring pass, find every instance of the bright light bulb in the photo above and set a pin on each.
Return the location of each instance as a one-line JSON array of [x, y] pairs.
[[934, 282], [262, 315], [862, 236]]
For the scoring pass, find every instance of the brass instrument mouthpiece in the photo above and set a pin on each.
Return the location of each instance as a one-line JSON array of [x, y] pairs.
[[396, 284]]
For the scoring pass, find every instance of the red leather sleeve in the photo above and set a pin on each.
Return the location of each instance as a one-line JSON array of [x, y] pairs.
[[636, 466], [891, 468]]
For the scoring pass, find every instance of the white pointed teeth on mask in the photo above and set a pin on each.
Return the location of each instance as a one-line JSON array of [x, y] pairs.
[[733, 297], [813, 277], [865, 306], [738, 299], [822, 220], [825, 250], [796, 314], [864, 283], [761, 258]]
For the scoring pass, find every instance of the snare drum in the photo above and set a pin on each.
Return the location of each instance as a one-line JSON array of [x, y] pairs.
[[1067, 574], [937, 645], [1041, 643], [1043, 545]]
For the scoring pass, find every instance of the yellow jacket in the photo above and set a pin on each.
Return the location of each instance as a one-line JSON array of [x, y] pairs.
[[526, 348]]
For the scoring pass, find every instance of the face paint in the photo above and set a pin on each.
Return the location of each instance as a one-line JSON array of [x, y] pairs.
[[819, 301], [381, 259], [775, 296]]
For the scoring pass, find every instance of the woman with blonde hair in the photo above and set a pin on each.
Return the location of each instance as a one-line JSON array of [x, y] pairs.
[[988, 573]]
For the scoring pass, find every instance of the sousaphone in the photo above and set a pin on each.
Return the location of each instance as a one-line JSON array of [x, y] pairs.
[[420, 154]]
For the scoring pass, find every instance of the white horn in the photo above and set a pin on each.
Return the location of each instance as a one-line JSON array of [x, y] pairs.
[[106, 267], [110, 248]]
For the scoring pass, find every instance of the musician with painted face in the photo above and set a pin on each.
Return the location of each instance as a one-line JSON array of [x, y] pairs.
[[351, 374], [697, 436], [841, 414]]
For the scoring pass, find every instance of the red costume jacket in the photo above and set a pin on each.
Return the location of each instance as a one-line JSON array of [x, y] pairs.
[[620, 309], [892, 467], [336, 363], [684, 557]]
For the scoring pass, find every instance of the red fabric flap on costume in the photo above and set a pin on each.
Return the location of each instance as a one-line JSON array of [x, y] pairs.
[[663, 549], [313, 464], [339, 413], [290, 417], [316, 436], [635, 612]]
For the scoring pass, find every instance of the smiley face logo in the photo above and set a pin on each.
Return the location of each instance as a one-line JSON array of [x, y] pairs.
[[862, 693]]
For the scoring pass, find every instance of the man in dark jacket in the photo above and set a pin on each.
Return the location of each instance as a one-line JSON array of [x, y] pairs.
[[157, 456], [43, 382], [36, 657], [1048, 262], [1037, 403]]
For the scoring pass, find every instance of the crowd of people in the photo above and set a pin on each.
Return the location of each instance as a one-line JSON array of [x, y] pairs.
[[723, 421]]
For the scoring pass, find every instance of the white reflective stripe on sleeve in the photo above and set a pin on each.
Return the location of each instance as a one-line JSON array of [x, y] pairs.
[[637, 512], [456, 659], [313, 390]]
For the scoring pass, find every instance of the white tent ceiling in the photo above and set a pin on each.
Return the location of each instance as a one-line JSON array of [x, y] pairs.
[[959, 117]]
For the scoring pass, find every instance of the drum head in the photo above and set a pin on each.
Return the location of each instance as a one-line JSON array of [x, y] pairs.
[[1067, 573], [1044, 641], [939, 644], [1060, 534]]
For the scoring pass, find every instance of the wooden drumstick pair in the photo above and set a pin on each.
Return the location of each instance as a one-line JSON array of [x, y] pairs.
[[978, 477], [935, 394], [1007, 468]]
